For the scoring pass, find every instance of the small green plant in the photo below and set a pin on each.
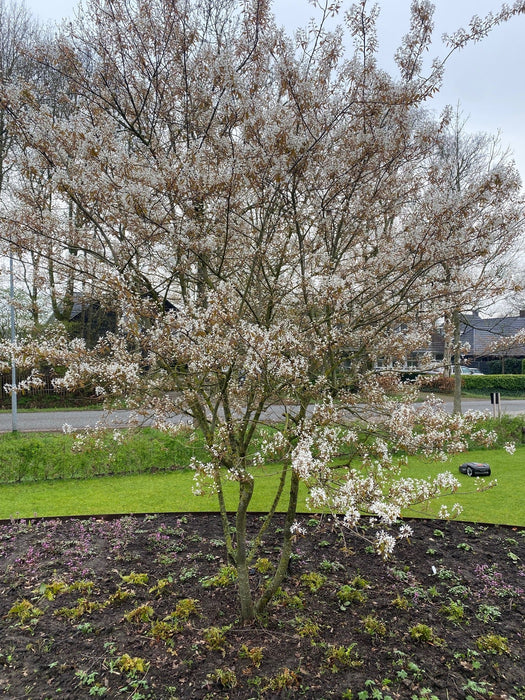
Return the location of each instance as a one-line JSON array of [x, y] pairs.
[[453, 611], [223, 677], [488, 613], [143, 613], [135, 579], [479, 688], [89, 679], [338, 658], [25, 611], [263, 565], [165, 630], [51, 590], [254, 654], [307, 628], [493, 643], [132, 665], [359, 582], [82, 586], [285, 599], [120, 596], [401, 602], [348, 595], [465, 546], [373, 626], [215, 638], [226, 577], [284, 680], [313, 581], [421, 633], [162, 587], [85, 628], [185, 608], [330, 566], [439, 533]]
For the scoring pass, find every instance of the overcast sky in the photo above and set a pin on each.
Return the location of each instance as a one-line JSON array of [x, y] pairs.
[[487, 79]]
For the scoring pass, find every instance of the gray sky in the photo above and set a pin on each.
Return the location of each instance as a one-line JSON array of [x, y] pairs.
[[487, 79]]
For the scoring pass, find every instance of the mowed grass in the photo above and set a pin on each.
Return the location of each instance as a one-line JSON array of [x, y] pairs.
[[172, 492]]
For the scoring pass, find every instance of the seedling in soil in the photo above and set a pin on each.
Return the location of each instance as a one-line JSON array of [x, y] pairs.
[[254, 654], [25, 611], [287, 679], [185, 608], [223, 677], [313, 581], [488, 613], [135, 579], [143, 613], [165, 631], [401, 602], [340, 657], [454, 611], [226, 577], [421, 633], [307, 628], [348, 595], [120, 596], [132, 665], [85, 628], [89, 679], [464, 546], [162, 587], [215, 638], [373, 626], [263, 565], [51, 590], [493, 643], [330, 566]]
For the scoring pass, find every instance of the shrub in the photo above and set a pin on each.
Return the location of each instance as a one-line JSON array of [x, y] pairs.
[[509, 384]]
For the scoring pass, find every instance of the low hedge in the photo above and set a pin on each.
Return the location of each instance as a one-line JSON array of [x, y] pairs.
[[509, 384]]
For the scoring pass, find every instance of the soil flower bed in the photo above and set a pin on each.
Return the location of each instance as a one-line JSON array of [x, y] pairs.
[[145, 607]]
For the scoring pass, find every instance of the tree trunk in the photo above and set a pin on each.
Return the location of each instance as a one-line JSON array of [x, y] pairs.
[[243, 574], [286, 550]]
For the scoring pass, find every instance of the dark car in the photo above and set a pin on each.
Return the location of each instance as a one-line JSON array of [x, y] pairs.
[[475, 469]]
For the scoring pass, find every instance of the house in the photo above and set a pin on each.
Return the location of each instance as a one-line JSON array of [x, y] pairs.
[[482, 333], [91, 320]]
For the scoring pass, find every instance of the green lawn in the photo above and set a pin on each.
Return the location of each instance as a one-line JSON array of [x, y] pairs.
[[172, 492]]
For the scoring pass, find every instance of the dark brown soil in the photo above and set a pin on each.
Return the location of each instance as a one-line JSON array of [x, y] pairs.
[[133, 607]]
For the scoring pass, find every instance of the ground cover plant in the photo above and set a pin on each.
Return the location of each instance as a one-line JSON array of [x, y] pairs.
[[146, 608]]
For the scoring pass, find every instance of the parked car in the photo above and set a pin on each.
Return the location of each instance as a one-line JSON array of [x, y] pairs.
[[475, 468]]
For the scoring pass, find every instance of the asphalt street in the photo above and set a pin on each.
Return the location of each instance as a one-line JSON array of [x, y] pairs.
[[54, 421]]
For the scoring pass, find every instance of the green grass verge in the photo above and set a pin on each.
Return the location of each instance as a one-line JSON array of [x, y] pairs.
[[172, 492], [41, 456]]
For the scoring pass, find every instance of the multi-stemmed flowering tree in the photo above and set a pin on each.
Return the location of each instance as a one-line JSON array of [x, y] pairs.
[[276, 193]]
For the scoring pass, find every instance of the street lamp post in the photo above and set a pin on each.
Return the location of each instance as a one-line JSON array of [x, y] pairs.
[[14, 404]]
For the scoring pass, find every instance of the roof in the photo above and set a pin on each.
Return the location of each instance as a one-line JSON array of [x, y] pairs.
[[481, 333]]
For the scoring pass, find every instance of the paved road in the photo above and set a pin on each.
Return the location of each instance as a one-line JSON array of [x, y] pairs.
[[52, 421]]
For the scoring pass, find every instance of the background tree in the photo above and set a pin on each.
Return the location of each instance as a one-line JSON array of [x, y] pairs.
[[467, 206], [266, 187]]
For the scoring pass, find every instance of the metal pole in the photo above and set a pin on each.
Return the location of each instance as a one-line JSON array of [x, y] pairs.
[[14, 405]]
